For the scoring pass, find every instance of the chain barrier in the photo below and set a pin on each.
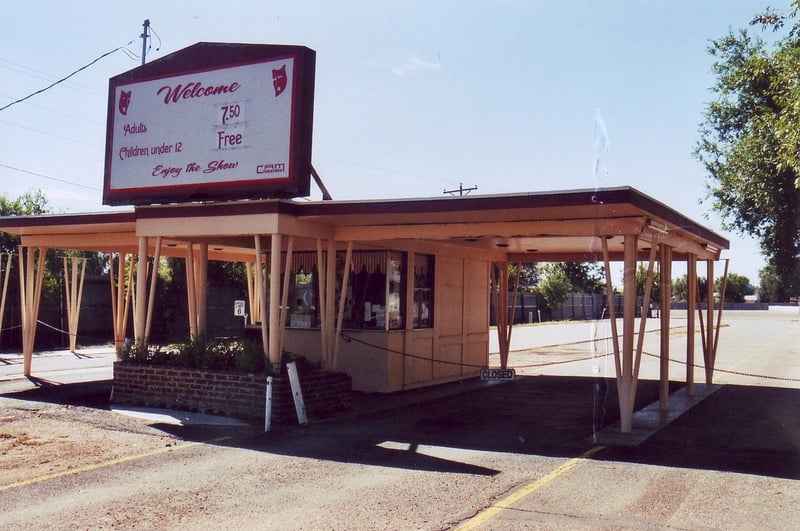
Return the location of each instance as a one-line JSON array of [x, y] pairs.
[[560, 362]]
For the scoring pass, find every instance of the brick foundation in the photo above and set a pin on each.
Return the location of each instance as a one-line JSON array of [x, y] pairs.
[[240, 395]]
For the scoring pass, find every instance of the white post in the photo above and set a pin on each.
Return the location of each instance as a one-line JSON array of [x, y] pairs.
[[268, 408], [297, 393]]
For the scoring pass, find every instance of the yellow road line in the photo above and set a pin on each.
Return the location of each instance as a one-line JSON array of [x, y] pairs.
[[506, 503], [105, 464]]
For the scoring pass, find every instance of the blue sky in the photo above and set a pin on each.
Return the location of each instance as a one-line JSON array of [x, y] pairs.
[[412, 97]]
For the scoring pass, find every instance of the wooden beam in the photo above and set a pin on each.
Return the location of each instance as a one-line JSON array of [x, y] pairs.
[[567, 227]]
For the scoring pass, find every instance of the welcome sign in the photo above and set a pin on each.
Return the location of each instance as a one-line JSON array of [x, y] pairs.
[[212, 121]]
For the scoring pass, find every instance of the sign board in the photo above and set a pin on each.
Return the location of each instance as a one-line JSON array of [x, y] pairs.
[[212, 121], [498, 374], [239, 308]]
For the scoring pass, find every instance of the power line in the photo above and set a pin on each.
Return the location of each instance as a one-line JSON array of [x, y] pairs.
[[63, 78], [56, 179]]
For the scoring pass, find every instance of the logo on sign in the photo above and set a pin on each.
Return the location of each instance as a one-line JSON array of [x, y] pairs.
[[124, 101], [279, 80]]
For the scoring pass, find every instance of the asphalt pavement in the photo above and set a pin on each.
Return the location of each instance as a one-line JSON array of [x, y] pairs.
[[728, 458]]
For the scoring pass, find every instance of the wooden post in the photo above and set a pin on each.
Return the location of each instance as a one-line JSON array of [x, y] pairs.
[[322, 303], [330, 299], [691, 302], [612, 310], [710, 323], [287, 273], [625, 383], [152, 296], [140, 308], [31, 275], [719, 312], [262, 299], [275, 301], [201, 288], [120, 300], [342, 304], [5, 287], [191, 292], [666, 298], [643, 321], [73, 287]]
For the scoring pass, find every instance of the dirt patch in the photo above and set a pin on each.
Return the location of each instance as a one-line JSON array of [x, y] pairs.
[[41, 439]]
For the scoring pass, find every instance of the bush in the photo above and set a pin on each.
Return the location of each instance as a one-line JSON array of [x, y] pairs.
[[217, 355]]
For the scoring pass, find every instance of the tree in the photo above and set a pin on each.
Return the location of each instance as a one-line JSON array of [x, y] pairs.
[[680, 289], [30, 203], [554, 284], [750, 143], [767, 284], [585, 277], [641, 279], [736, 288]]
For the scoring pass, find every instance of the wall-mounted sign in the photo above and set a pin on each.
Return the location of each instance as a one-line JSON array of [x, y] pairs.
[[212, 121], [498, 374]]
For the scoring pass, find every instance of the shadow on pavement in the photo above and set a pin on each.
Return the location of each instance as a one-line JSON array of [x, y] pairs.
[[93, 394], [742, 429], [541, 415]]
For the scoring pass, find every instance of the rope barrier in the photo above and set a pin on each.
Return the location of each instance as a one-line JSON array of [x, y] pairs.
[[559, 362]]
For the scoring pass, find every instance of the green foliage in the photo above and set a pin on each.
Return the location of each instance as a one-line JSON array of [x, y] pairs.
[[31, 203], [749, 143], [680, 289], [528, 276], [554, 284], [217, 355], [736, 288], [641, 279], [585, 277], [768, 287]]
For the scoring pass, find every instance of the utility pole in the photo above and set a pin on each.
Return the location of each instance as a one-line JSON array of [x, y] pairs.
[[145, 28], [460, 190]]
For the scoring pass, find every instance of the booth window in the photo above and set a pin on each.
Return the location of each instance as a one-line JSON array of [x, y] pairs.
[[375, 293], [423, 290]]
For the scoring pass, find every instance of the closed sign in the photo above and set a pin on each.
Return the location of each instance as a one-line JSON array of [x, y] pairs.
[[498, 374]]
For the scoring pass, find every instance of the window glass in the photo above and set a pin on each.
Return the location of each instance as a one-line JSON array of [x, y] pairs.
[[423, 290], [395, 302]]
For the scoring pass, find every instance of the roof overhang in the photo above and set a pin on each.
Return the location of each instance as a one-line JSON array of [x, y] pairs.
[[529, 227]]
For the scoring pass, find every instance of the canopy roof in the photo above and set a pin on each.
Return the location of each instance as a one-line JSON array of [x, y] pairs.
[[526, 227]]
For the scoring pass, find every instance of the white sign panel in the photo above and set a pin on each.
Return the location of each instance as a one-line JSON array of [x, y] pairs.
[[230, 125]]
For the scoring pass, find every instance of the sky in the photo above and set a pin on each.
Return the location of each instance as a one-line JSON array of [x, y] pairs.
[[412, 97]]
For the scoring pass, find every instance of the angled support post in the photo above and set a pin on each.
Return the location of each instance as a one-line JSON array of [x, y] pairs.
[[31, 275]]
